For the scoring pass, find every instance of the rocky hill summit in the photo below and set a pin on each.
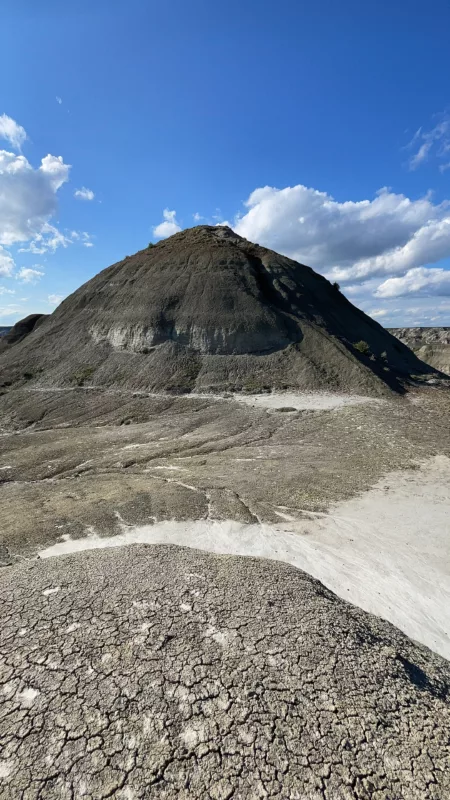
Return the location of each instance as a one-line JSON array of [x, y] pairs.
[[208, 310]]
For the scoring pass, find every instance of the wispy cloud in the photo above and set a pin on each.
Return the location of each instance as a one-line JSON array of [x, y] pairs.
[[58, 100], [376, 313], [426, 143], [84, 193]]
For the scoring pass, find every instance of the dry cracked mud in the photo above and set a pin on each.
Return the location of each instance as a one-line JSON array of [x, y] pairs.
[[163, 672]]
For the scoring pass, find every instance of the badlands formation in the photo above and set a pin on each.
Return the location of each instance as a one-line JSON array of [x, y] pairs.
[[431, 345], [225, 495]]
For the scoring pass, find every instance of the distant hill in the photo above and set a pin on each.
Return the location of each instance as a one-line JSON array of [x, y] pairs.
[[432, 345], [20, 330], [207, 310], [4, 329]]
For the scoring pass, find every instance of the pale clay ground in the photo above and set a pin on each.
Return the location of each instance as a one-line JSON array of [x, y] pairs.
[[386, 551], [384, 547], [304, 401]]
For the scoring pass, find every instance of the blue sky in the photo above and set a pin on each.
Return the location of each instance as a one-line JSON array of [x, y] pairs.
[[284, 119]]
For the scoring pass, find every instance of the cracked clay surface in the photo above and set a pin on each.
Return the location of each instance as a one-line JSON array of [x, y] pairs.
[[164, 672]]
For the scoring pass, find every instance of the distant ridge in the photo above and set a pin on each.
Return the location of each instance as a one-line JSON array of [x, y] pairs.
[[432, 345]]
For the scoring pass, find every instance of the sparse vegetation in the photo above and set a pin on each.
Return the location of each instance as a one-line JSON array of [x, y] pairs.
[[82, 375], [362, 347], [151, 244], [28, 376], [336, 286]]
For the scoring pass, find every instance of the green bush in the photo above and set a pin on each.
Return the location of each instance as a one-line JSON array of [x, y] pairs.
[[362, 347], [81, 376], [336, 286]]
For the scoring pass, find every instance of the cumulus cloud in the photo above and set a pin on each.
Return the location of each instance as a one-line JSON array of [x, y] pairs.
[[433, 281], [168, 227], [348, 241], [55, 299], [28, 196], [5, 290], [12, 132], [29, 275], [84, 194]]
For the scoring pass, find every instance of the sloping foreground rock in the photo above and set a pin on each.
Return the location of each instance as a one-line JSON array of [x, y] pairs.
[[208, 310], [162, 672]]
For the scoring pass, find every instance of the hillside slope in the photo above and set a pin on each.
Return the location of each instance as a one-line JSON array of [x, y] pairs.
[[208, 310]]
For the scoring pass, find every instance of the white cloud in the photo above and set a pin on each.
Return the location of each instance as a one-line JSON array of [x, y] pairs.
[[28, 196], [435, 141], [348, 241], [88, 244], [84, 194], [378, 312], [434, 281], [58, 100], [29, 275], [12, 132], [55, 299], [421, 155], [6, 263], [168, 227], [49, 240], [11, 310], [444, 167], [428, 244], [4, 290], [197, 217]]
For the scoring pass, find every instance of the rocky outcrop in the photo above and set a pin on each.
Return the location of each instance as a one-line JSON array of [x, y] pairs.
[[208, 310], [431, 345]]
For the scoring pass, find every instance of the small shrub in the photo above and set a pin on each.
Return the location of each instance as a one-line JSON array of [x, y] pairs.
[[362, 347], [81, 376], [384, 355], [28, 376], [336, 286], [151, 244]]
